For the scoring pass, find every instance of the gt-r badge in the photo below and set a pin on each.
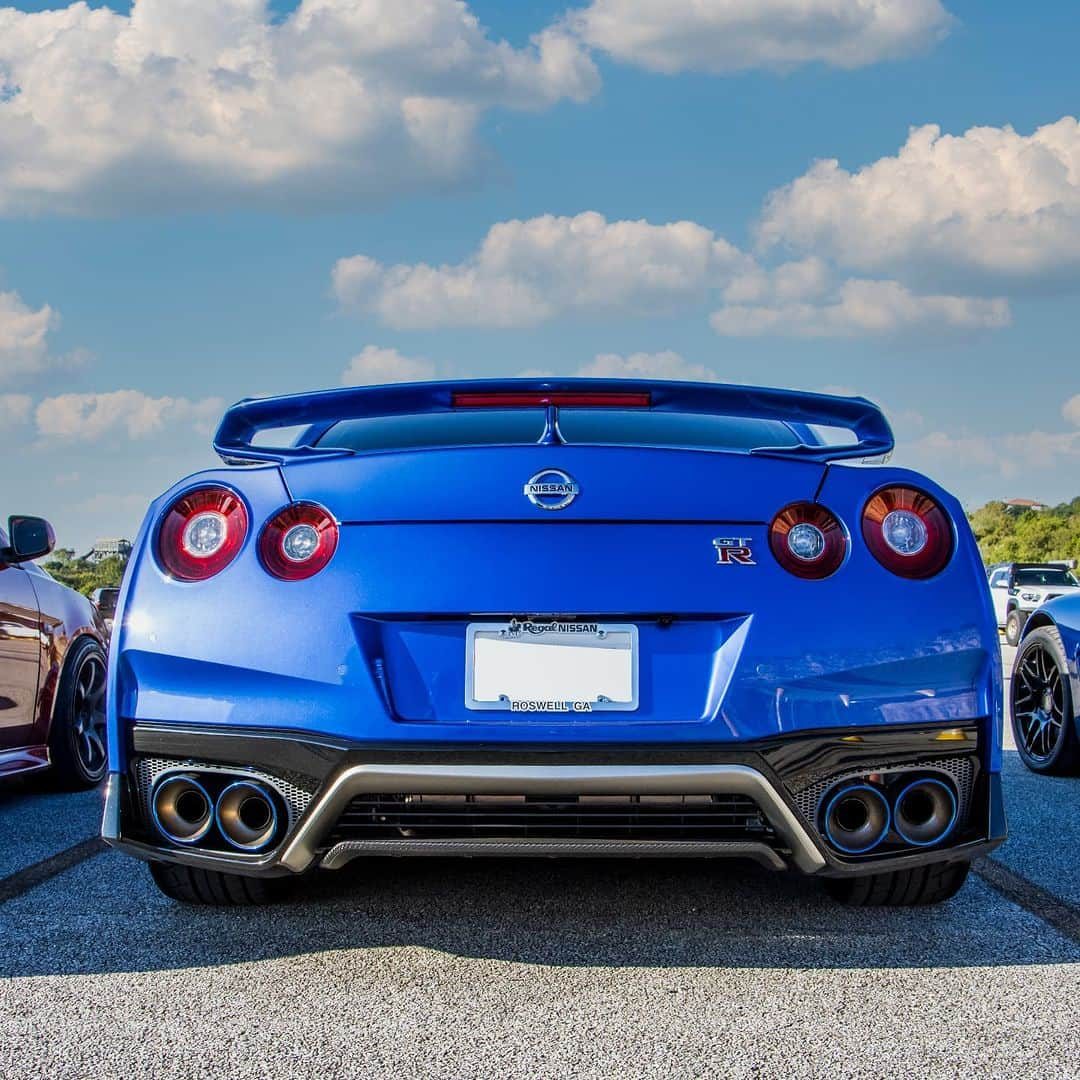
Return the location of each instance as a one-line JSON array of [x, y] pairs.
[[552, 489], [734, 551]]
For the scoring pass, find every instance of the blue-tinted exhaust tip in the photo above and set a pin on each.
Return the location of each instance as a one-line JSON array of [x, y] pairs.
[[856, 818]]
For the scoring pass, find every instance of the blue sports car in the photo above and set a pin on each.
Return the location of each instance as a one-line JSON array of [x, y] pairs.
[[1046, 689], [555, 618]]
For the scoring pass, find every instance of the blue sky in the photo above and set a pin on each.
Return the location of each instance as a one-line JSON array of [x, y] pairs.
[[182, 268]]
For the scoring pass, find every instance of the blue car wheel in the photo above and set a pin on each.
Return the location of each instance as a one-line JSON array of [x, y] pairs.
[[1042, 705]]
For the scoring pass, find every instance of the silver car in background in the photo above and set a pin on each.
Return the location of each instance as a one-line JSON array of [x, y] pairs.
[[1019, 588]]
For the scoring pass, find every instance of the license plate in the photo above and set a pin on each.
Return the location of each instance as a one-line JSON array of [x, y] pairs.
[[552, 667]]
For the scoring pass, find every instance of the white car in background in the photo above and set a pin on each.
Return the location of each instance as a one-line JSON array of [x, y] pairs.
[[1019, 588]]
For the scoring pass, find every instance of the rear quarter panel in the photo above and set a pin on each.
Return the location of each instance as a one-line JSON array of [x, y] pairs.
[[66, 616], [944, 617]]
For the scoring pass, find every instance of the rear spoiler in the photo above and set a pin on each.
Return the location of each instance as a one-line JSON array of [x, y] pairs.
[[318, 411]]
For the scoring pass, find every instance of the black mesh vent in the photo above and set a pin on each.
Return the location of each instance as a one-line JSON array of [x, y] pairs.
[[586, 817], [296, 790]]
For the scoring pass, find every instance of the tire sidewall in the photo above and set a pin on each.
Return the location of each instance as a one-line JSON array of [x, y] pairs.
[[1013, 628], [67, 759], [1048, 638]]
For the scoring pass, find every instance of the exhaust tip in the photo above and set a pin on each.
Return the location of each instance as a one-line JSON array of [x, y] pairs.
[[182, 809], [926, 812], [246, 816], [856, 817]]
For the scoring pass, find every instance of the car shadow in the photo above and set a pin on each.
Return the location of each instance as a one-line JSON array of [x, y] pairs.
[[1044, 828], [106, 916]]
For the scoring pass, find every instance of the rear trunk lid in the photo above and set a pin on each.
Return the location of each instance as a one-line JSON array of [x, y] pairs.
[[612, 484], [449, 538]]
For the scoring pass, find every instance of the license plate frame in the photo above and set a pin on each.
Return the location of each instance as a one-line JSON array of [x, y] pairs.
[[516, 646]]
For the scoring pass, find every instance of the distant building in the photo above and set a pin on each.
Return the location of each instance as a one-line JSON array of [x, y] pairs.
[[1020, 506], [109, 549]]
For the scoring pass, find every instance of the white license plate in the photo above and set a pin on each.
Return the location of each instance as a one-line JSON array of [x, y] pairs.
[[552, 667]]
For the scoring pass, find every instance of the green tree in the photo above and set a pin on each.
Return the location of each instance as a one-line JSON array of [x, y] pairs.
[[83, 575], [1031, 536]]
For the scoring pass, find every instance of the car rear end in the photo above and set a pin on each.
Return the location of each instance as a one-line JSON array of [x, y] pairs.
[[556, 618]]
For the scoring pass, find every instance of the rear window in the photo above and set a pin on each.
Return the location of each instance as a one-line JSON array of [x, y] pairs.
[[1048, 575], [580, 427]]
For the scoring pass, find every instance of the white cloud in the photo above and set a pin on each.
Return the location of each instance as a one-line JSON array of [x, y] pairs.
[[186, 102], [117, 512], [1071, 410], [984, 207], [374, 365], [130, 412], [641, 365], [721, 36], [14, 409], [527, 272], [1008, 455], [23, 336], [853, 308]]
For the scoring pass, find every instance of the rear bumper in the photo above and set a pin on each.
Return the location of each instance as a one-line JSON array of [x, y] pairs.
[[786, 778], [554, 780]]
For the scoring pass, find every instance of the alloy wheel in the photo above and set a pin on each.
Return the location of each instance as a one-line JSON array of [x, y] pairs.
[[1039, 702], [88, 714]]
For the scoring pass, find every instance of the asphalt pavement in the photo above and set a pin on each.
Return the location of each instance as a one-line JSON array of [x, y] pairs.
[[561, 969]]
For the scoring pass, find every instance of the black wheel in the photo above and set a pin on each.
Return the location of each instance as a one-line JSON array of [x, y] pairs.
[[1014, 627], [1042, 705], [920, 885], [77, 739], [193, 885]]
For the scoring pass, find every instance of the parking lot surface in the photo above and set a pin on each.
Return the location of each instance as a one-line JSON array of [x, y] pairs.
[[576, 969]]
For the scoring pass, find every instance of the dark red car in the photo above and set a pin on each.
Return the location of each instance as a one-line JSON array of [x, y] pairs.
[[52, 666]]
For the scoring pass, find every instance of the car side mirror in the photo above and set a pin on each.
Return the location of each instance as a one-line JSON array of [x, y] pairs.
[[30, 538]]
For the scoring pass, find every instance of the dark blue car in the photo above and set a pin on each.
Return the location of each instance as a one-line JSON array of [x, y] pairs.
[[555, 618]]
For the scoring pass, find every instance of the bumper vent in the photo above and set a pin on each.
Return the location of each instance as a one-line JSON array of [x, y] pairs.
[[583, 817], [297, 791], [961, 769]]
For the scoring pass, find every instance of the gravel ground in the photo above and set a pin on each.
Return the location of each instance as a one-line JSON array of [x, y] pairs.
[[575, 969]]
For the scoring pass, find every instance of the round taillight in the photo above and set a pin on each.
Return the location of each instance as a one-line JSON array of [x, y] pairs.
[[908, 532], [298, 541], [808, 540], [201, 533]]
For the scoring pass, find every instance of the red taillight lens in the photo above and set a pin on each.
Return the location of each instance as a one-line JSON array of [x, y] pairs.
[[201, 533], [298, 541], [808, 540], [908, 532]]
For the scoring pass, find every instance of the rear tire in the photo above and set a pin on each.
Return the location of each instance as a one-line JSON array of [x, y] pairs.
[[77, 750], [1014, 627], [932, 884], [1041, 705], [193, 885]]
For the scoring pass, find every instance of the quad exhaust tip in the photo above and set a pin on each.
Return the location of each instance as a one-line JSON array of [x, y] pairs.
[[246, 816], [183, 810], [926, 811], [857, 818]]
